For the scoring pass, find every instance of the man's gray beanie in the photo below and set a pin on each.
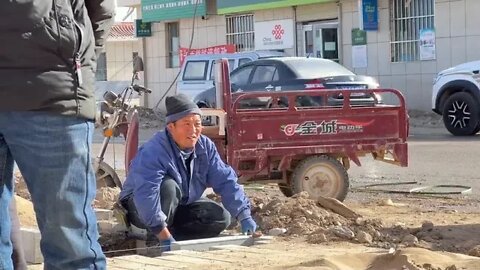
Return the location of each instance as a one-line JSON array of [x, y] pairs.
[[180, 106]]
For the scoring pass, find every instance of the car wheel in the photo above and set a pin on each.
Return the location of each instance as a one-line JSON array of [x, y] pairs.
[[461, 114]]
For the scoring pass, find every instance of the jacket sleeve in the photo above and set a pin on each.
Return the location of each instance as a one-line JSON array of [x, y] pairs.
[[147, 172], [223, 180], [102, 16]]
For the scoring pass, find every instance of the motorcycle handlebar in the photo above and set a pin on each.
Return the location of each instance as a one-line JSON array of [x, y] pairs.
[[140, 88]]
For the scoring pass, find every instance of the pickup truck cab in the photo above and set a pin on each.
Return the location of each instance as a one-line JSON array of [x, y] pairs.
[[197, 73]]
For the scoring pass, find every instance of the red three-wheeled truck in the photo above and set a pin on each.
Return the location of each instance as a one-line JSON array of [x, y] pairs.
[[305, 147]]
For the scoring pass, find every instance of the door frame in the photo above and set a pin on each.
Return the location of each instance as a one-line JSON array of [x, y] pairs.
[[329, 24]]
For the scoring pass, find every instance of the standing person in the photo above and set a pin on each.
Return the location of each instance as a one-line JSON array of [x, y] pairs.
[[47, 108], [166, 180]]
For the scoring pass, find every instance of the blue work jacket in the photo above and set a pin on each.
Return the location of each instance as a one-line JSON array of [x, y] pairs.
[[160, 156]]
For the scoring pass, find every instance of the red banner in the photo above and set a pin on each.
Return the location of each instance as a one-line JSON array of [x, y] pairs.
[[227, 48]]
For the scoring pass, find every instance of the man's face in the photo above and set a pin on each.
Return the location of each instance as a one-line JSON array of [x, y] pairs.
[[186, 131]]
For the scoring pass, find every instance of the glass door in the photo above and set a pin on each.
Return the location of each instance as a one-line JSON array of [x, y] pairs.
[[321, 40]]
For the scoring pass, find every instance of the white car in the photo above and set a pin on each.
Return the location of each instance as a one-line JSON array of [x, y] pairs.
[[456, 96]]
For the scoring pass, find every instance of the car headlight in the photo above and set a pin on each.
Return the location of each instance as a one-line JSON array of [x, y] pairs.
[[372, 83]]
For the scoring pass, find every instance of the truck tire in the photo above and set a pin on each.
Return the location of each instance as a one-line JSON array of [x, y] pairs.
[[321, 176], [107, 177], [461, 114]]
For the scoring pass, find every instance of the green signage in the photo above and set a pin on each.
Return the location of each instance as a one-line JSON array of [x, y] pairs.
[[143, 29], [359, 37], [233, 6], [158, 10]]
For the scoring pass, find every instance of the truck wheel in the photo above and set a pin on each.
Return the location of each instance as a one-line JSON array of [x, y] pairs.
[[321, 176], [461, 114], [107, 177], [285, 189]]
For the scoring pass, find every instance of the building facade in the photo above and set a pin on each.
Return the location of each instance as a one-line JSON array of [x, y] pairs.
[[402, 43]]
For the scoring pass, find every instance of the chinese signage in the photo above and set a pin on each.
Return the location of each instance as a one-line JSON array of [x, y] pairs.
[[274, 35], [370, 14], [234, 6], [427, 44], [359, 37], [324, 127], [143, 29], [157, 10], [359, 48], [184, 52]]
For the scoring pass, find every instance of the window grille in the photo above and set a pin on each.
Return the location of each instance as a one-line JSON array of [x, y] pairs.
[[408, 18], [240, 31]]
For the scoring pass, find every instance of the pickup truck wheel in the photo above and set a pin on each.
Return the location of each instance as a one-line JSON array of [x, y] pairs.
[[107, 177], [321, 176], [461, 114]]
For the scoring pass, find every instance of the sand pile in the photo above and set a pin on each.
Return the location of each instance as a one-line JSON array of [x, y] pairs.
[[106, 197]]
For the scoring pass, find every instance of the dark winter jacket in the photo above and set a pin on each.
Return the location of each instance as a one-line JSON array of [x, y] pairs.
[[48, 53]]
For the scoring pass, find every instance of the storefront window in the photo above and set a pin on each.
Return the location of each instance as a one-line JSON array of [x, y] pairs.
[[409, 18]]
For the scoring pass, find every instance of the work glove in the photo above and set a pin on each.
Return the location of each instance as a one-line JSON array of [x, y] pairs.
[[166, 244], [248, 225]]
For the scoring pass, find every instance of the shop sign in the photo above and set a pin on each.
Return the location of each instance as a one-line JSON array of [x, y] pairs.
[[143, 29], [370, 14], [158, 10], [274, 35], [236, 6]]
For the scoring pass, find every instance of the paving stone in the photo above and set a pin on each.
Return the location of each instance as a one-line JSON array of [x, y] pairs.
[[31, 245], [103, 214], [154, 261], [203, 255], [110, 227], [140, 264], [205, 244], [172, 257]]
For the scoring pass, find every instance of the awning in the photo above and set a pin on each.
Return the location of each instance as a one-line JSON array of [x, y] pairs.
[[123, 31]]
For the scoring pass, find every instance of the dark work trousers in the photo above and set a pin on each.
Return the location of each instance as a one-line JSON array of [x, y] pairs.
[[18, 256], [201, 219]]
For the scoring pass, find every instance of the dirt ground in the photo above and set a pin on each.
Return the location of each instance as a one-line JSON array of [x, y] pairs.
[[387, 231], [418, 231]]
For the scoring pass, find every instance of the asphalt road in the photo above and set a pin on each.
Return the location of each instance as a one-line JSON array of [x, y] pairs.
[[435, 158]]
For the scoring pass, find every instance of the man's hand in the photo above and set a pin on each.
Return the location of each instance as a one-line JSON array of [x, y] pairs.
[[166, 244], [248, 225], [166, 240]]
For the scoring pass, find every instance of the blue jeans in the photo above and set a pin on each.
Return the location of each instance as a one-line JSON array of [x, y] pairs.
[[53, 155]]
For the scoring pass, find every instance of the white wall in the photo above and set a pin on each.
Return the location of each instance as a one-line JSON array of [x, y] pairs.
[[457, 33], [275, 14], [208, 32], [457, 39], [119, 59]]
